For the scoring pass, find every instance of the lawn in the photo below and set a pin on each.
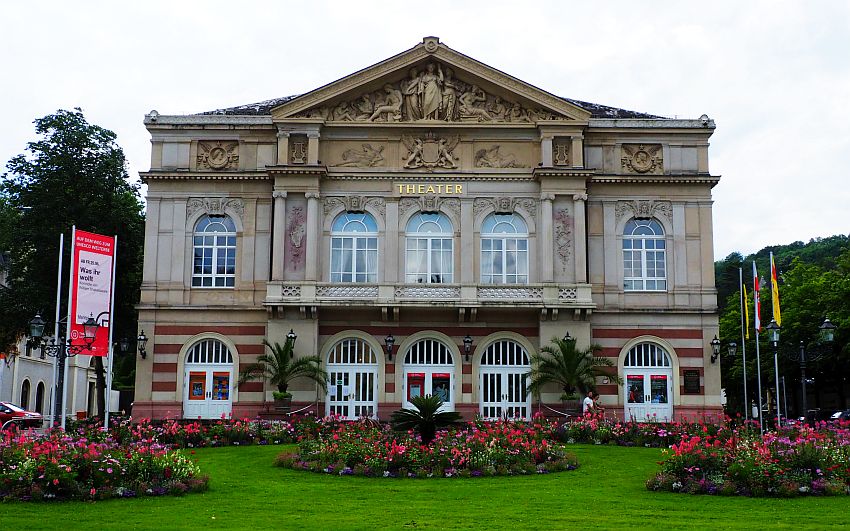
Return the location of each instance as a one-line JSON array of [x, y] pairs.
[[607, 492]]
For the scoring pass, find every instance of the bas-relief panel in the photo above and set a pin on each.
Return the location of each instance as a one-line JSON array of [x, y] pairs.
[[563, 229], [295, 237], [430, 92]]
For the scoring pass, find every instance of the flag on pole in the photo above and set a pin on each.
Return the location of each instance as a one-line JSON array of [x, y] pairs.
[[756, 305], [746, 312], [774, 292]]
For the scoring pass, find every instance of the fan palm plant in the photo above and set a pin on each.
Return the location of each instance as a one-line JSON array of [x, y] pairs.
[[426, 419], [571, 368], [280, 367]]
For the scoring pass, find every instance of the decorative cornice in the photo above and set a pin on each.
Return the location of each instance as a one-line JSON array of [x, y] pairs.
[[198, 176]]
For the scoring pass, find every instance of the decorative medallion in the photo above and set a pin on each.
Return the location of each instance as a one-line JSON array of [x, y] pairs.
[[430, 151], [218, 155], [642, 158]]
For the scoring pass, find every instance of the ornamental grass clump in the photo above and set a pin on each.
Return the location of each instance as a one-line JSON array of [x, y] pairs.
[[367, 448], [789, 462]]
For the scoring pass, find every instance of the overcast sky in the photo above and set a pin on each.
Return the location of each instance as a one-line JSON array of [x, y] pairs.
[[774, 75]]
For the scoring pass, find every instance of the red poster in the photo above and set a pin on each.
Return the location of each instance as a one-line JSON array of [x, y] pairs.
[[91, 293]]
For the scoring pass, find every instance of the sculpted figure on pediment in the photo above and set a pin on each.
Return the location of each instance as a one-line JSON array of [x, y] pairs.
[[365, 157], [429, 93]]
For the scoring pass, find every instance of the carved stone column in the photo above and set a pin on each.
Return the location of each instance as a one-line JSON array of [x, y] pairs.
[[546, 151], [580, 240], [313, 147], [547, 238], [313, 235], [278, 237], [283, 147], [391, 260]]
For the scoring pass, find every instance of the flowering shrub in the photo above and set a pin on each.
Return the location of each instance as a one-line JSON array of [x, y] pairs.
[[595, 429], [479, 449], [192, 434], [788, 462], [65, 466]]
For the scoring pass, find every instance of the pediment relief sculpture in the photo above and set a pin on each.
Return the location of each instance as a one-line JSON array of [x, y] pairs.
[[365, 157], [218, 155], [644, 209], [214, 206], [430, 151], [494, 158], [641, 158], [429, 93]]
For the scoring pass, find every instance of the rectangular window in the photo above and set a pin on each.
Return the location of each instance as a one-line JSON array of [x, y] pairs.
[[504, 261], [429, 261], [354, 259]]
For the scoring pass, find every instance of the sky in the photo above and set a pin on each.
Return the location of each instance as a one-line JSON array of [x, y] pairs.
[[774, 75]]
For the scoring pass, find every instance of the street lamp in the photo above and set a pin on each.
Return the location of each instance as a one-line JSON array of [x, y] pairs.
[[124, 344], [389, 341], [568, 338], [61, 351], [817, 351], [773, 337], [291, 337], [467, 346]]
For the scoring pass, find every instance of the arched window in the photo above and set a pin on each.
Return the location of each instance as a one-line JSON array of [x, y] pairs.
[[644, 256], [25, 394], [354, 248], [39, 397], [209, 351], [646, 355], [429, 249], [352, 379], [214, 246], [504, 250]]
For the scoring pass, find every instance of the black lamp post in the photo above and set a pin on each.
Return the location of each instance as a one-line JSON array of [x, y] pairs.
[[141, 341], [568, 338], [61, 351], [389, 341], [715, 349], [467, 346], [827, 336]]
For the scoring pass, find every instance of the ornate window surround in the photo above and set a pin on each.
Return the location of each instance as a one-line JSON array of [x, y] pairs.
[[361, 241], [519, 237], [643, 278]]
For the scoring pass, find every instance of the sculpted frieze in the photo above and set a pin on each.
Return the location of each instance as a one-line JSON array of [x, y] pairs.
[[214, 206], [640, 158], [504, 205], [365, 157], [429, 93], [354, 203], [218, 155], [430, 152], [494, 158], [643, 209]]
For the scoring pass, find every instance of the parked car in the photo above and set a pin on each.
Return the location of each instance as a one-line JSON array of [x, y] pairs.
[[841, 415], [22, 417]]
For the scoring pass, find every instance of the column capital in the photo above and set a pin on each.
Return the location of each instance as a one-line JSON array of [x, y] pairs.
[[579, 197], [313, 134], [547, 196], [279, 194], [283, 134], [312, 195]]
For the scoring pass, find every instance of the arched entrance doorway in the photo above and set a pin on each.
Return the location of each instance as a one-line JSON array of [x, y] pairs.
[[208, 380], [503, 381], [352, 367], [429, 370], [648, 392]]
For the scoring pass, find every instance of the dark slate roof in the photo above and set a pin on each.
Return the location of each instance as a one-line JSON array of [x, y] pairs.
[[596, 110]]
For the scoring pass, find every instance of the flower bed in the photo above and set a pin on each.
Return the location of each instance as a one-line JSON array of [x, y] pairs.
[[65, 466], [790, 462], [481, 449], [595, 429]]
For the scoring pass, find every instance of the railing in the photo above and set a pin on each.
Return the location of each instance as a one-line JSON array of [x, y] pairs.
[[319, 293]]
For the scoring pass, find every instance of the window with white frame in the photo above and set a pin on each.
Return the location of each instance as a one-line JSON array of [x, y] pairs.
[[354, 248], [214, 251], [429, 256], [644, 256], [504, 249]]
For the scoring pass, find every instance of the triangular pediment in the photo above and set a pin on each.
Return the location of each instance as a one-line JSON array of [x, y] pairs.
[[426, 84]]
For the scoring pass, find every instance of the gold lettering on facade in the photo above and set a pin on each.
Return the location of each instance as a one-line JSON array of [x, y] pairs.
[[429, 189]]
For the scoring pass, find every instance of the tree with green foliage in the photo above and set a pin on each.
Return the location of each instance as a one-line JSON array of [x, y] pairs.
[[75, 173], [569, 367], [426, 417], [281, 367]]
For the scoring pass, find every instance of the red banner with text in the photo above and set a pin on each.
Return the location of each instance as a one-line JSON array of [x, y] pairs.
[[91, 294]]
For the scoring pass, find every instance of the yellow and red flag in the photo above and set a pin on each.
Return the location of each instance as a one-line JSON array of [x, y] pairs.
[[756, 304], [774, 292], [746, 312]]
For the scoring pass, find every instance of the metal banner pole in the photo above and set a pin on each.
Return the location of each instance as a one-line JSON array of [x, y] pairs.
[[111, 351], [63, 353], [758, 371], [54, 386]]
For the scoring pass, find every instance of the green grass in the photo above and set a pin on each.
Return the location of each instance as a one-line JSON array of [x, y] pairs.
[[607, 492]]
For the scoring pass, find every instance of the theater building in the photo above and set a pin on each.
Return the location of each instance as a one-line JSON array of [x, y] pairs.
[[467, 214]]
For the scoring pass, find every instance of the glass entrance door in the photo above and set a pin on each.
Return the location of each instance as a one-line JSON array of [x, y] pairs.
[[207, 393], [648, 396], [504, 394], [353, 393]]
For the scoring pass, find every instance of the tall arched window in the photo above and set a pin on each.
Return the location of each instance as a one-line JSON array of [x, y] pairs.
[[214, 246], [39, 397], [429, 249], [25, 394], [354, 248], [644, 256], [504, 250]]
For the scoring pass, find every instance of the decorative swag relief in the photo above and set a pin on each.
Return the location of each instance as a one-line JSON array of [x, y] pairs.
[[429, 203], [430, 92], [355, 203], [504, 205], [644, 209], [563, 227], [215, 206]]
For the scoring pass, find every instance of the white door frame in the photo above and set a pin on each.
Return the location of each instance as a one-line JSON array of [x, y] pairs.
[[641, 405], [346, 398], [217, 400]]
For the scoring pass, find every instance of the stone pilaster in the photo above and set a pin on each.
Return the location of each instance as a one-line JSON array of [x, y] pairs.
[[313, 147], [278, 234], [283, 147], [546, 151], [580, 237], [546, 231], [313, 236]]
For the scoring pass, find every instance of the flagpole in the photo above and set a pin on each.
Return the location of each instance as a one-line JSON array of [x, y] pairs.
[[54, 387], [757, 326], [110, 350], [758, 371], [744, 326]]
